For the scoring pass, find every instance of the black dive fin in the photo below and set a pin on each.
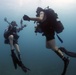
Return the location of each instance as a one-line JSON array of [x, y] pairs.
[[14, 59], [66, 63], [71, 54], [18, 62], [25, 69]]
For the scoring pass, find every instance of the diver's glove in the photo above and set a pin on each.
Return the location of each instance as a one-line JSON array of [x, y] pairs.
[[25, 17]]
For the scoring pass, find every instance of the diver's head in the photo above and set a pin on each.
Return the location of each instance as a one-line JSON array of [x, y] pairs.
[[13, 23], [39, 9]]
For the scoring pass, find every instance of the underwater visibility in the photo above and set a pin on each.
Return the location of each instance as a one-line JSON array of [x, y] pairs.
[[37, 37]]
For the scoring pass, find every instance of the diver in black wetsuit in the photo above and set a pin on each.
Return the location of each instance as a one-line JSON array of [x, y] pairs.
[[11, 38], [46, 28]]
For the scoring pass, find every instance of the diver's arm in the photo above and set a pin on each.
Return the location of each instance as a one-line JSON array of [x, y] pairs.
[[35, 19], [40, 18], [21, 28], [5, 19]]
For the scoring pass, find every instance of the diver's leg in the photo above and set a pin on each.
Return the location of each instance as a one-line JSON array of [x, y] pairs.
[[11, 37], [18, 50], [19, 62], [11, 41], [14, 58], [51, 44]]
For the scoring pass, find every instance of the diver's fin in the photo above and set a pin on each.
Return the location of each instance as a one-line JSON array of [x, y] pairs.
[[14, 59], [18, 62], [25, 69], [71, 54], [66, 63]]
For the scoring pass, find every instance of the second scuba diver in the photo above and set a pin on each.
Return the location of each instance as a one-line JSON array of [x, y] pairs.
[[11, 38]]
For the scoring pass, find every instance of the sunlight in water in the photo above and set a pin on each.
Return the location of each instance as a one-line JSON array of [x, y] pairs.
[[16, 4], [44, 3]]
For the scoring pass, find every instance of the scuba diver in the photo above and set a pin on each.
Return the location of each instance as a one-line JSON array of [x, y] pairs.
[[11, 38], [45, 26]]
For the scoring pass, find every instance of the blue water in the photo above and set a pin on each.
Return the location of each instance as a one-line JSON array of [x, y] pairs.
[[34, 54]]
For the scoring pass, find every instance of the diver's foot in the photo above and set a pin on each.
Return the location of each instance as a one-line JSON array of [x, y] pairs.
[[66, 63]]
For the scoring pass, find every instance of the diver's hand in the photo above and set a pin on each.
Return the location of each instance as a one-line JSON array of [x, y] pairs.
[[21, 22], [25, 25], [5, 19], [25, 17]]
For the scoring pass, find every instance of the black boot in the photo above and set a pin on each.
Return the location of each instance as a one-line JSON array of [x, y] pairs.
[[13, 58]]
